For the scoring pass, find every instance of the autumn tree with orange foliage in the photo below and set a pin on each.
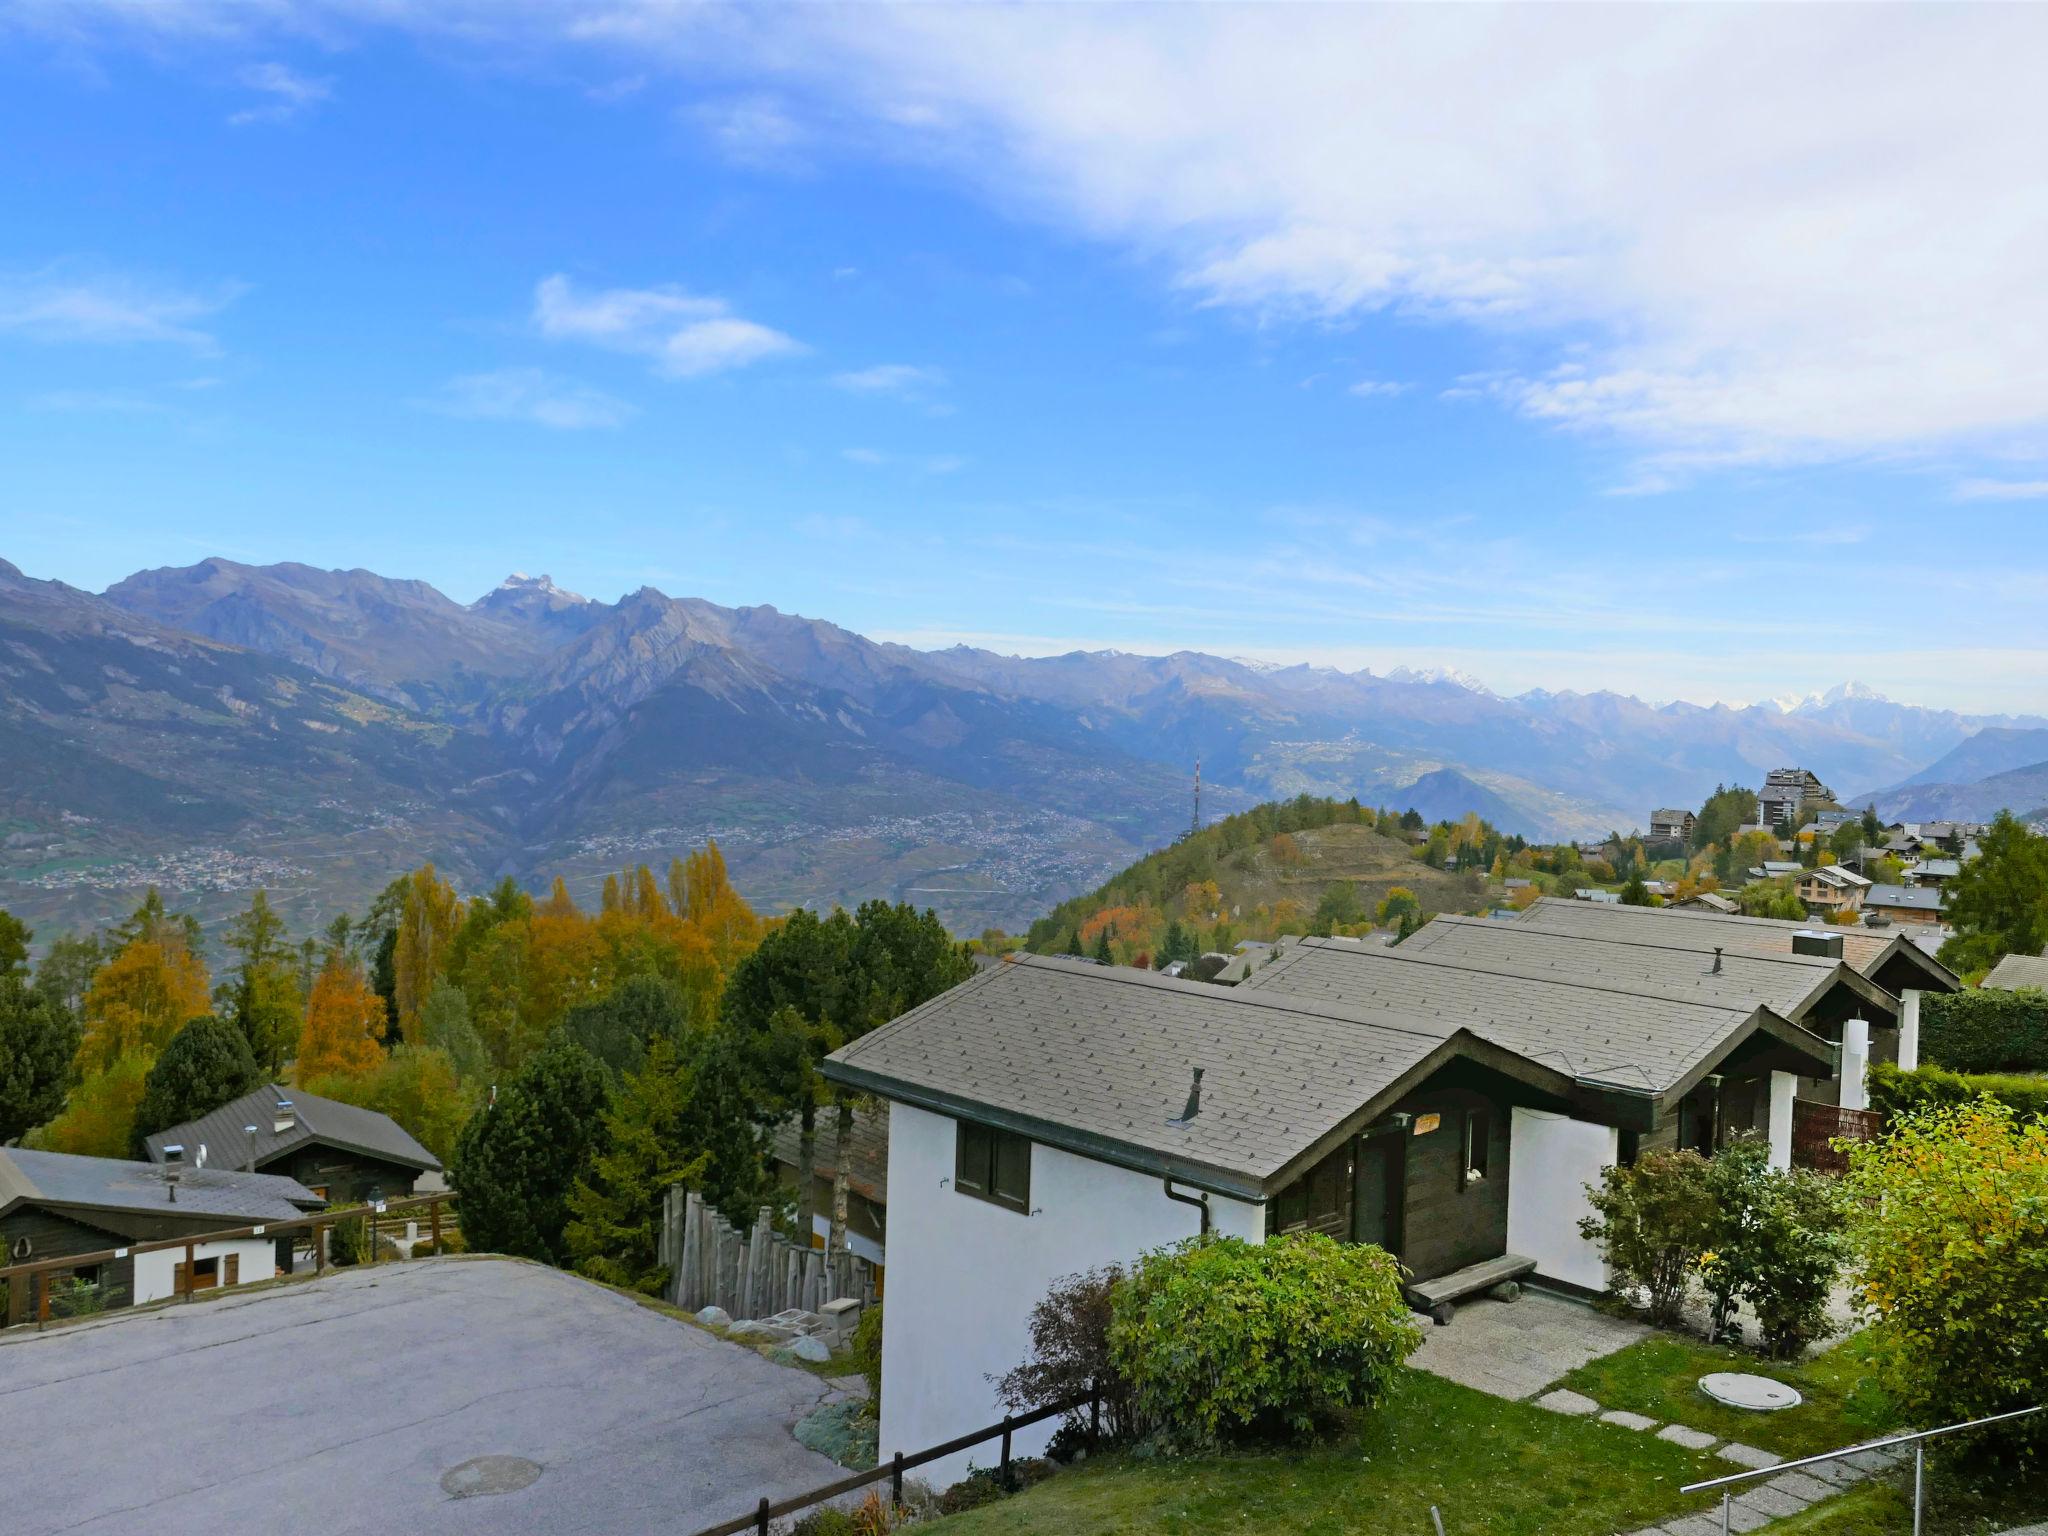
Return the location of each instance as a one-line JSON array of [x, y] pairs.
[[344, 1022], [142, 997]]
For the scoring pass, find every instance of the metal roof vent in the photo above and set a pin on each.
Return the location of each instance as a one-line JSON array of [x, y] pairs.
[[284, 1117], [1809, 941], [1194, 1103], [174, 1169], [1717, 961]]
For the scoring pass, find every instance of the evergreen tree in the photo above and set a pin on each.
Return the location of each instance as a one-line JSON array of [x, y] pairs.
[[14, 937], [65, 974], [263, 990], [1635, 893], [518, 1161], [619, 1027], [1998, 905], [444, 1026], [1102, 954], [207, 1063], [38, 1039]]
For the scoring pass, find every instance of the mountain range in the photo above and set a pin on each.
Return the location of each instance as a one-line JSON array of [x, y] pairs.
[[221, 725]]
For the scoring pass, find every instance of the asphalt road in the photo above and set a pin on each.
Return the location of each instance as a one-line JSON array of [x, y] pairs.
[[339, 1405]]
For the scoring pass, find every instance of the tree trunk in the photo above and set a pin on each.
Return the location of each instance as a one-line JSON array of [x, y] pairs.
[[806, 1168], [836, 1243]]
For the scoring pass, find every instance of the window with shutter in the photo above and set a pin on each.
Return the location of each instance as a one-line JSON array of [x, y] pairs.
[[992, 1165]]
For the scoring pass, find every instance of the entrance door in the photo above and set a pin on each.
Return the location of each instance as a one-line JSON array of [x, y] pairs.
[[1376, 1193]]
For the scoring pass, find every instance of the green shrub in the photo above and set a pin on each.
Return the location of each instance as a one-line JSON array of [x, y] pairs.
[[826, 1522], [1986, 1030], [1902, 1093], [1952, 1257], [73, 1297], [1223, 1339], [867, 1351], [1775, 1241], [1653, 1219], [348, 1241]]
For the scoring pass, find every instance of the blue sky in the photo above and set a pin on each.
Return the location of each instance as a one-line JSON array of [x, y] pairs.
[[1686, 353]]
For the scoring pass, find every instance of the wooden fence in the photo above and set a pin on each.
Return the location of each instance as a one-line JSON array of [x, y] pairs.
[[1815, 1127], [750, 1274]]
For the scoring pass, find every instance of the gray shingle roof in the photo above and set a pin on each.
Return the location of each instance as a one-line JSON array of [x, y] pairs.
[[2015, 971], [225, 1134], [867, 1160], [110, 1184], [1598, 1025], [1100, 1060], [1920, 898]]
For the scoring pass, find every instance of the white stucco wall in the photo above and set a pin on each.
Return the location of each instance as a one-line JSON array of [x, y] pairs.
[[1553, 1159], [156, 1273], [964, 1275]]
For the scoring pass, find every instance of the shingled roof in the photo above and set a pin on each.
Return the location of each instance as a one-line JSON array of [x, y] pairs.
[[867, 1149], [1599, 1027], [2016, 971], [1867, 953], [112, 1185], [327, 1121], [1098, 1060]]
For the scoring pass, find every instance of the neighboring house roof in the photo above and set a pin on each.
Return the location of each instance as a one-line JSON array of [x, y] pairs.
[[1099, 1061], [1867, 953], [1770, 868], [1590, 893], [867, 1154], [1838, 877], [1916, 898], [113, 1185], [1711, 901], [1631, 1016], [1670, 813], [327, 1121], [2015, 971], [1936, 869]]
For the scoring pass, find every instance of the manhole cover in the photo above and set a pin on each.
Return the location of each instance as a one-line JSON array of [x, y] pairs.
[[489, 1474], [1738, 1390]]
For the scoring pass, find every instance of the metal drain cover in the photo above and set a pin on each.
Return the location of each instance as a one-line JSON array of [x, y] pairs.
[[1739, 1390], [489, 1474]]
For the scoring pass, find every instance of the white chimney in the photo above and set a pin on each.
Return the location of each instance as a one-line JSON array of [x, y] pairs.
[[1909, 1029], [285, 1116], [1856, 1064]]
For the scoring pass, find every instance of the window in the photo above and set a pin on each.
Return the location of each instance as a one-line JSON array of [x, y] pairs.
[[992, 1165], [1478, 1147]]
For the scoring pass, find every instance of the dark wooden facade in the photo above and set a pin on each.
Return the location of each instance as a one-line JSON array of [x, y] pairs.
[[54, 1232], [341, 1175]]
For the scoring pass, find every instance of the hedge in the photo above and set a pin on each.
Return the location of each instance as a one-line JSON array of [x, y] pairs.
[[1986, 1030], [1894, 1092]]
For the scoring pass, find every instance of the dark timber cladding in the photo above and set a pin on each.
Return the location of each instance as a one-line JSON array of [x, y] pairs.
[[340, 1150]]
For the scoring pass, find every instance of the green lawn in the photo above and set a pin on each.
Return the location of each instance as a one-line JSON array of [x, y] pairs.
[[1961, 1501], [1494, 1468], [1660, 1377]]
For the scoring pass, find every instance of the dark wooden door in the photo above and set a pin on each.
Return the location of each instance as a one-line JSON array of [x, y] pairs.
[[1376, 1193]]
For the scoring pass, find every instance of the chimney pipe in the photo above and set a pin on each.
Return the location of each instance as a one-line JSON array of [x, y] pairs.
[[1194, 1103], [1717, 960]]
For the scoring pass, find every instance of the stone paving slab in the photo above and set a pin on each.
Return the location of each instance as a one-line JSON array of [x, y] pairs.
[[1801, 1486], [1627, 1420], [1747, 1455], [1691, 1439], [1517, 1349], [1774, 1502], [1572, 1403]]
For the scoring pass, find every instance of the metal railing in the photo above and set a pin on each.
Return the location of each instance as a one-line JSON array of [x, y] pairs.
[[16, 1279], [1918, 1440], [898, 1464]]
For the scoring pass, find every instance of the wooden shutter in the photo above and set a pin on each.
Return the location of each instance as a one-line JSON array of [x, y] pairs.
[[234, 1269], [179, 1284]]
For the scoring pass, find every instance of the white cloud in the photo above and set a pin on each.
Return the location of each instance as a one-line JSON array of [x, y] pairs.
[[687, 335], [1378, 388], [530, 395], [753, 131], [911, 381], [286, 94], [2002, 490], [71, 304]]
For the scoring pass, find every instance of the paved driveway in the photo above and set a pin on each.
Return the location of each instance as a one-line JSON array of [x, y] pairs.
[[1516, 1349], [339, 1405]]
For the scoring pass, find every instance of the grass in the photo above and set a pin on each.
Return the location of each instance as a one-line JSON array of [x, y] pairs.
[[1494, 1468], [1961, 1501], [1660, 1377]]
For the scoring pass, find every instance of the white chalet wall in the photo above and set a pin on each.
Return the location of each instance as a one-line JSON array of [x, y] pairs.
[[964, 1275], [1553, 1158], [156, 1273]]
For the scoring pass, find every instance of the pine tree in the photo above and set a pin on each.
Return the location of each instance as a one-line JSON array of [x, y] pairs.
[[38, 1040], [207, 1063], [518, 1161], [264, 993]]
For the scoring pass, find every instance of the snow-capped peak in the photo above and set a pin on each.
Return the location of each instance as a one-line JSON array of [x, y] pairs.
[[519, 581], [1451, 675]]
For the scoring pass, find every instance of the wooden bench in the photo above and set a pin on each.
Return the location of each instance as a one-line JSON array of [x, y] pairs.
[[1438, 1297]]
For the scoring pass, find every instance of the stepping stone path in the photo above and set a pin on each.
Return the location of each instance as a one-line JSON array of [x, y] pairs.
[[1756, 1504]]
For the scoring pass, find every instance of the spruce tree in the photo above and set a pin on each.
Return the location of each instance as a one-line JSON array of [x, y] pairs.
[[207, 1063], [37, 1041], [519, 1160]]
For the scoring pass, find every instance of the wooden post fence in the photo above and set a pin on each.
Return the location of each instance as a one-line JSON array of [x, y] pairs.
[[749, 1274]]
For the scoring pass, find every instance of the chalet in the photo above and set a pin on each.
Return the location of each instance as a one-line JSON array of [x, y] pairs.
[[1831, 888], [337, 1150], [53, 1205], [1786, 794], [1933, 872], [1775, 869], [867, 1176], [1671, 824], [1708, 901], [1048, 1117], [1906, 905]]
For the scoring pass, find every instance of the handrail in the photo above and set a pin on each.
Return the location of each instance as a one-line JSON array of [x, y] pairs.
[[1852, 1450], [758, 1518]]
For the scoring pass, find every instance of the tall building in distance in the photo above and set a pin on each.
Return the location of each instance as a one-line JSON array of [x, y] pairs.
[[1786, 794]]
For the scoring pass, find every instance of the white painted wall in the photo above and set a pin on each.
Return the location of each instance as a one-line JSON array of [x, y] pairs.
[[1909, 1029], [964, 1275], [1551, 1160], [1784, 1087], [156, 1273], [860, 1247], [1856, 1064]]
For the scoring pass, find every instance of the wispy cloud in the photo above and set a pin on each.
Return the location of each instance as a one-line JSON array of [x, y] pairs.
[[2002, 490], [284, 94], [754, 131], [926, 464], [530, 395], [686, 335], [1379, 388], [911, 381], [67, 303]]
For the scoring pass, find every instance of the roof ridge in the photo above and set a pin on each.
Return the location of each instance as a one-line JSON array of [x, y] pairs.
[[1773, 957], [1393, 953]]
